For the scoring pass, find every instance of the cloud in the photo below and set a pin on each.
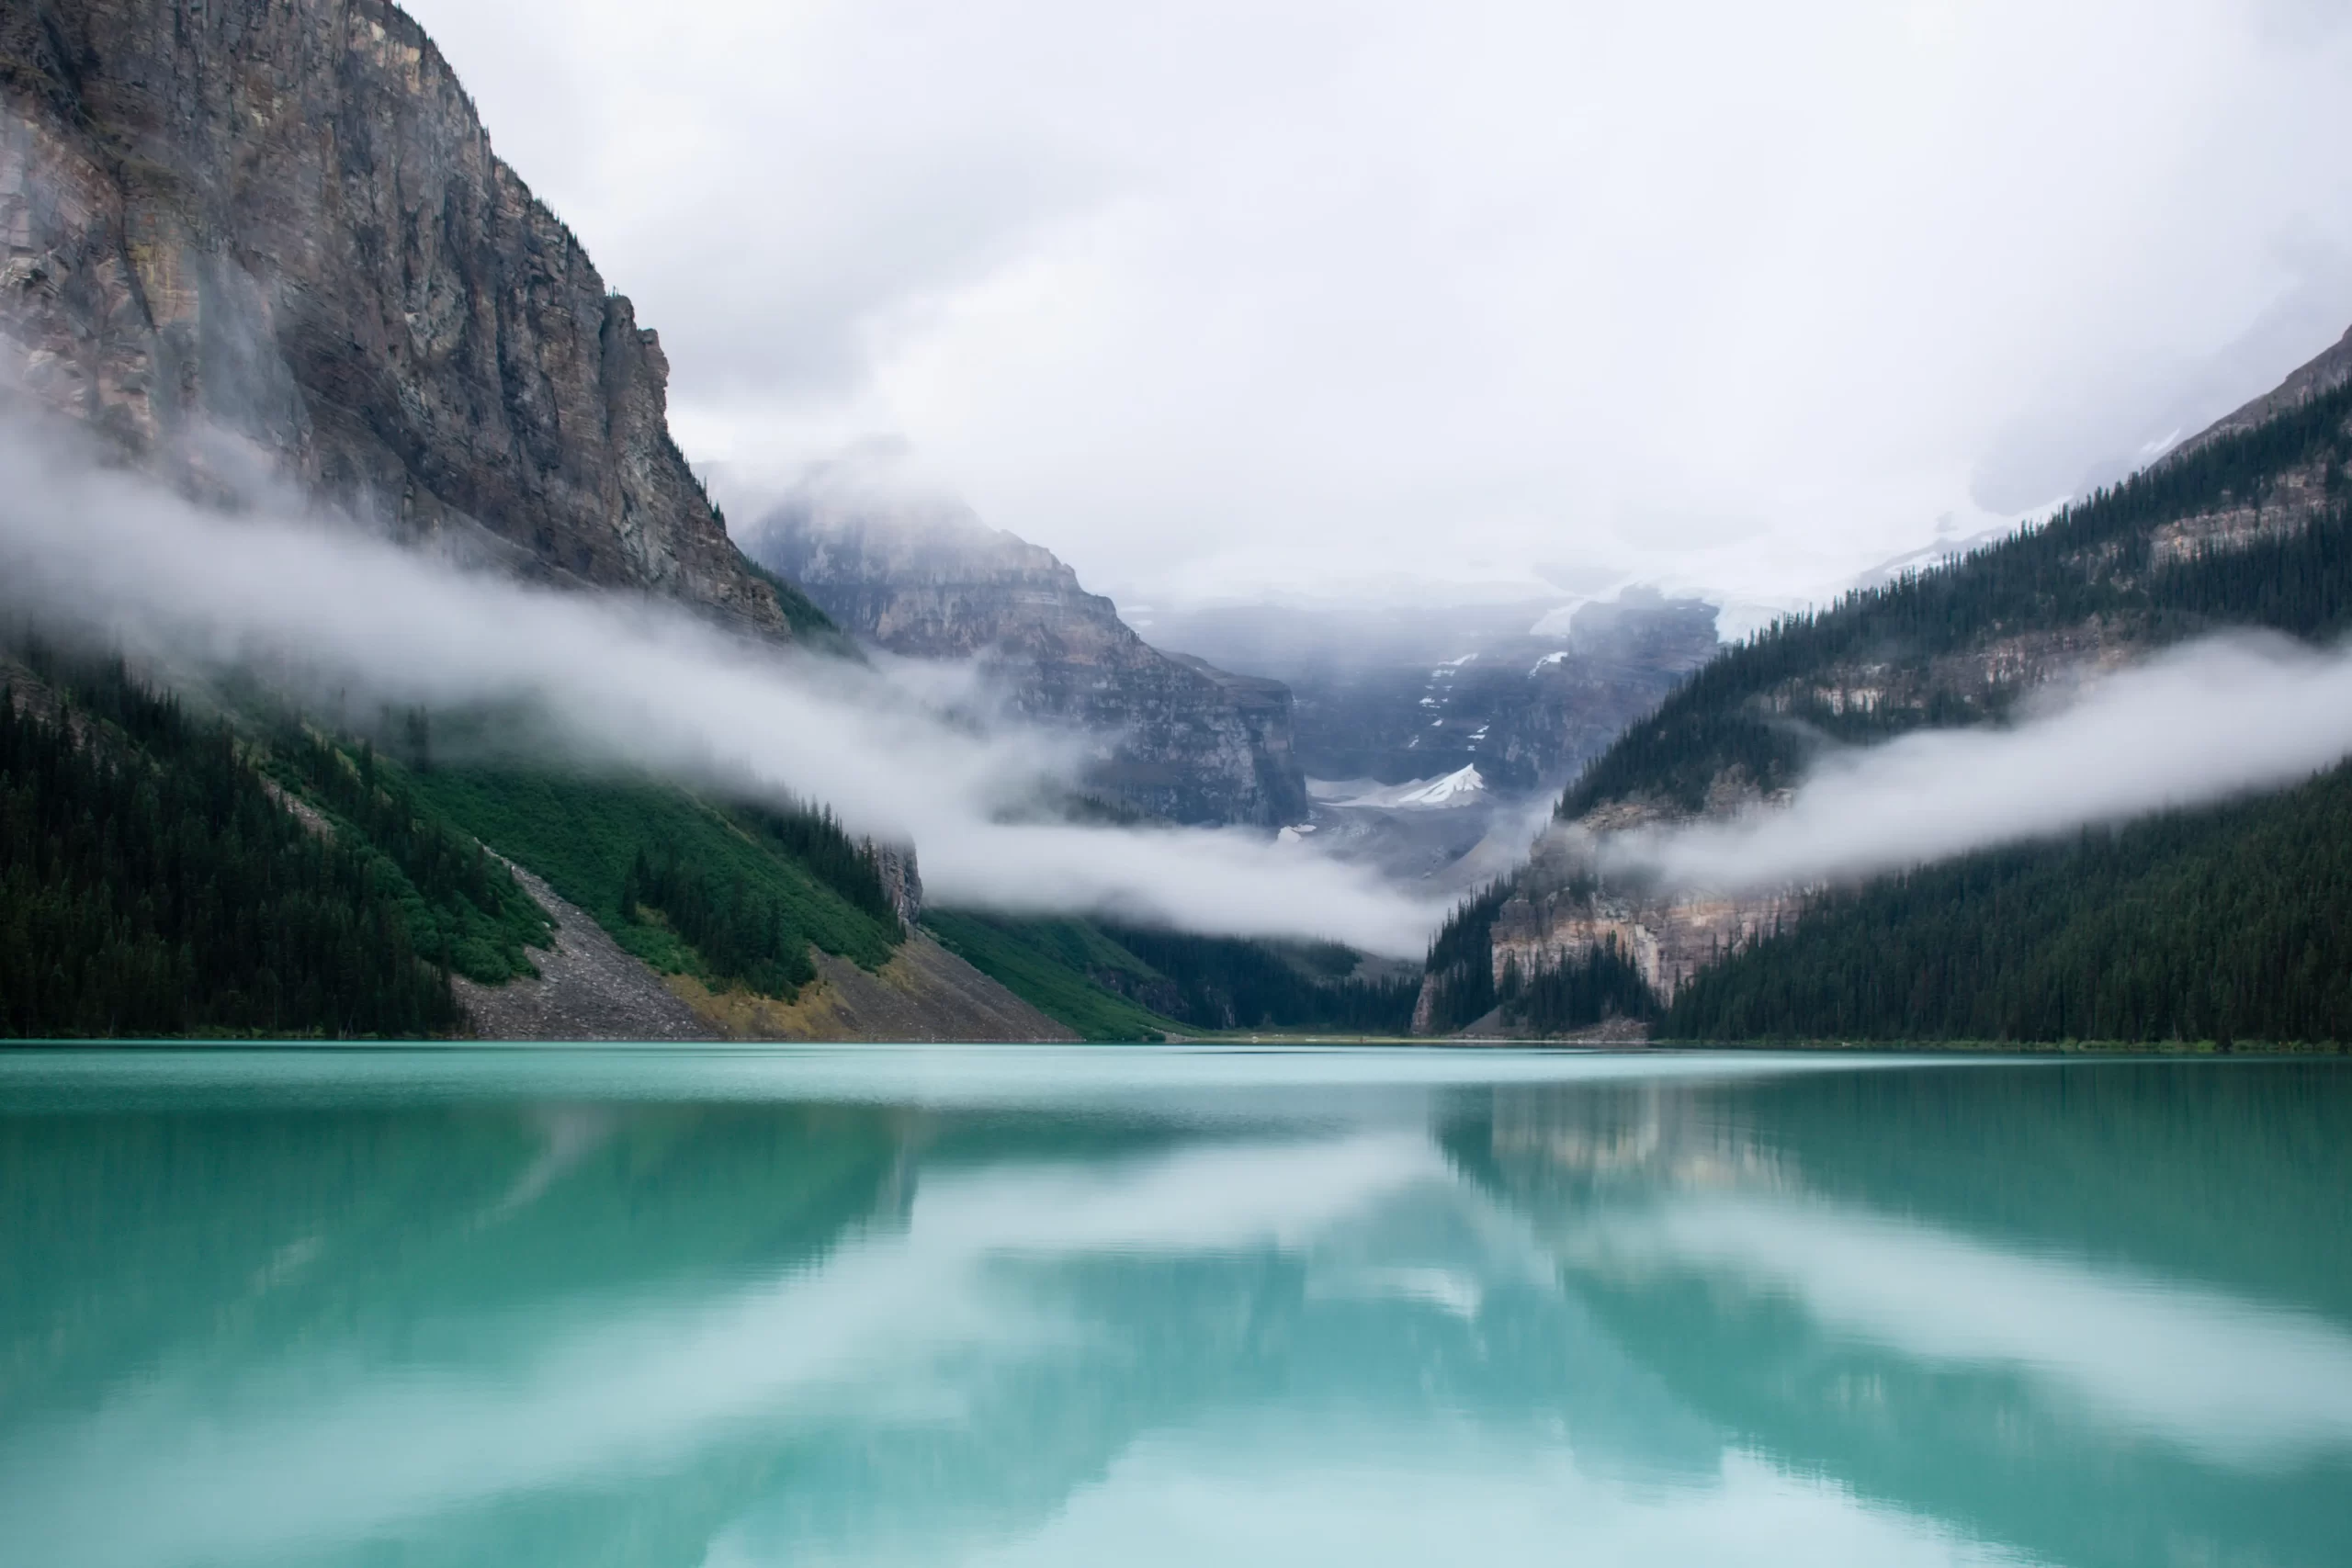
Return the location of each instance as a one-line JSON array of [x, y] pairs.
[[1210, 298], [615, 682], [2214, 719]]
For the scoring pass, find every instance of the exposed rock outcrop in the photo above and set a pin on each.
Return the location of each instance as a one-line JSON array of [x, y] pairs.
[[281, 219], [1177, 738]]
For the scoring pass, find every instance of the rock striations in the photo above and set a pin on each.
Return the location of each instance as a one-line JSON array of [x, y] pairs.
[[1179, 739], [281, 219]]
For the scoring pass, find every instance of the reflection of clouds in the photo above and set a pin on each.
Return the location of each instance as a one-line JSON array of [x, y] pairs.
[[179, 1470], [2231, 1381], [572, 1133], [1209, 1197], [1281, 1495]]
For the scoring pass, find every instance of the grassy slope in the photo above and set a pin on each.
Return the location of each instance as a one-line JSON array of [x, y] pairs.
[[1045, 964], [583, 835], [482, 926]]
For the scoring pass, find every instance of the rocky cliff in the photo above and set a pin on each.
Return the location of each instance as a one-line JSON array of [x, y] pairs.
[[277, 227], [1179, 738]]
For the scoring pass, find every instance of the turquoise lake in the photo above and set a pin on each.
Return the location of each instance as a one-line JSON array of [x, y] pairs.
[[1000, 1306]]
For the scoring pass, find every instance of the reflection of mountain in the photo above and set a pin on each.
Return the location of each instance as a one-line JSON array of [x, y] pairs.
[[2031, 1302], [1627, 1317]]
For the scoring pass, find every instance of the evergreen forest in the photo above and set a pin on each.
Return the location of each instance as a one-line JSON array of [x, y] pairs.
[[2224, 925], [165, 874], [1111, 982], [152, 885]]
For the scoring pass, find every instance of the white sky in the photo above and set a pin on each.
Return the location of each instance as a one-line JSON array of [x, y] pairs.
[[1216, 298]]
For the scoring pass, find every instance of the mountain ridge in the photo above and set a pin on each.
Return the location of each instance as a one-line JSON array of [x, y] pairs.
[[1175, 736], [2245, 524], [283, 227]]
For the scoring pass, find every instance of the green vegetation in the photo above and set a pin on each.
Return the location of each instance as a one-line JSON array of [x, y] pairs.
[[1112, 982], [1460, 962], [666, 873], [2091, 563], [1604, 983], [151, 885], [160, 876], [1057, 966], [1233, 982], [461, 906], [2227, 924]]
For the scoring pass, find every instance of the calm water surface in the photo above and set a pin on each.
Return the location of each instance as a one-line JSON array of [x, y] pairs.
[[884, 1306]]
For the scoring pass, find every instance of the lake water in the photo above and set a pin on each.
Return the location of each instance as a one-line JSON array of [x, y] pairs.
[[995, 1306]]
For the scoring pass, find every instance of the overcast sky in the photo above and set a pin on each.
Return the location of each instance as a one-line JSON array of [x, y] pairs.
[[1216, 298]]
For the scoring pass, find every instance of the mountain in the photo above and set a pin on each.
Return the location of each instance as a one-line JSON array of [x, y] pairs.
[[2247, 524], [1400, 707], [265, 243], [1524, 692], [1179, 738], [243, 231]]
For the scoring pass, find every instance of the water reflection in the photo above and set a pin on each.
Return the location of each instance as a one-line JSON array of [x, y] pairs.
[[951, 1310]]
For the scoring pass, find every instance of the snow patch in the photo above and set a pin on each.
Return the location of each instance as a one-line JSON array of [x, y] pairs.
[[1466, 787]]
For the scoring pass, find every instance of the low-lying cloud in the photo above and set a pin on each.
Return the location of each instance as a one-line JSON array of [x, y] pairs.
[[619, 683], [2225, 717]]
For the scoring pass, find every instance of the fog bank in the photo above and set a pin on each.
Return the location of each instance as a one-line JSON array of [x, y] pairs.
[[621, 682], [2225, 717]]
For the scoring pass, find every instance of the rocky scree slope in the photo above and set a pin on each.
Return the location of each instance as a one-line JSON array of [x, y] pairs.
[[2245, 524], [1179, 738], [281, 219]]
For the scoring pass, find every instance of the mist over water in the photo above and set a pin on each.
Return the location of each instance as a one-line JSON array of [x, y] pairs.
[[1010, 1306], [114, 558]]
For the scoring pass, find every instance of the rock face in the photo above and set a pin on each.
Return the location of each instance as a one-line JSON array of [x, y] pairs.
[[1181, 739], [1524, 694], [281, 219]]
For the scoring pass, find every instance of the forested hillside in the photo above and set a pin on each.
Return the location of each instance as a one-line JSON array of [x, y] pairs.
[[2229, 924], [151, 885], [2220, 925], [2098, 571], [733, 895], [168, 874], [1114, 981]]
